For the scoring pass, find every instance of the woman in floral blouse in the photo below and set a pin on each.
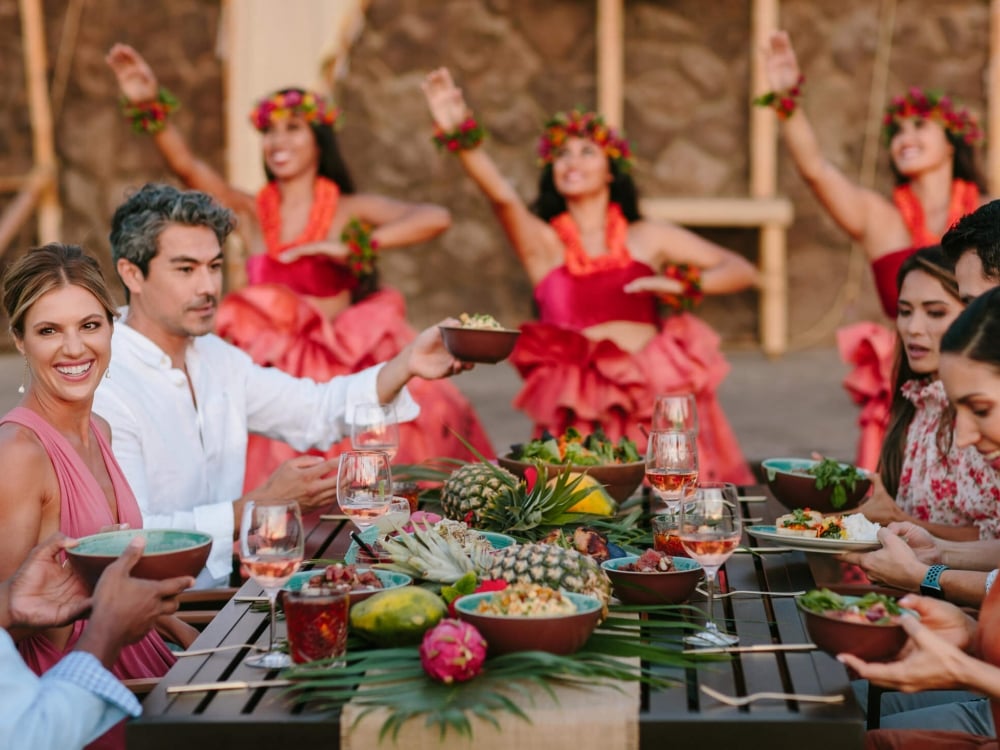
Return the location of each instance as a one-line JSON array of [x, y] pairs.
[[949, 491]]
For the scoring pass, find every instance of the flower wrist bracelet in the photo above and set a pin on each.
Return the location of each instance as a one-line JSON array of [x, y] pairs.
[[357, 235], [150, 117], [465, 137], [692, 295], [783, 102]]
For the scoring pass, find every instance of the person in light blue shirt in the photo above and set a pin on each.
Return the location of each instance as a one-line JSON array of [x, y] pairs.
[[78, 699]]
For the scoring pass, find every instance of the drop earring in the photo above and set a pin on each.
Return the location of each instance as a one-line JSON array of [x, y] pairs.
[[24, 377], [107, 374]]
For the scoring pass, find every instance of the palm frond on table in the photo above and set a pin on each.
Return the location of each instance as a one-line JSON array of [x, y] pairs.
[[624, 649]]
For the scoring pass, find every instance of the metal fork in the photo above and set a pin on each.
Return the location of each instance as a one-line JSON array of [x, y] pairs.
[[727, 594], [744, 700]]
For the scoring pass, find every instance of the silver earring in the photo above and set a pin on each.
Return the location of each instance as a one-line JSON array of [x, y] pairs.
[[24, 377], [107, 374]]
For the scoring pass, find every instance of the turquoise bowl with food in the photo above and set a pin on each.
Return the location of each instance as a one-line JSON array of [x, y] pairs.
[[657, 587], [792, 484], [389, 579], [877, 639], [560, 634]]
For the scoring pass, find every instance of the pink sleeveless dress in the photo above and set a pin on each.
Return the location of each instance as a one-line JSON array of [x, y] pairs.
[[83, 510]]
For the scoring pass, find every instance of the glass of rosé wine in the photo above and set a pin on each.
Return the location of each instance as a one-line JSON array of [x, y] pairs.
[[671, 467], [364, 486], [375, 428], [272, 545], [709, 529], [676, 413]]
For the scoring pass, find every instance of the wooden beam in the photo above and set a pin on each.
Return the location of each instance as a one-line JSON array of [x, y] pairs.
[[43, 145], [611, 61], [19, 210], [763, 123], [993, 100], [773, 322], [721, 212]]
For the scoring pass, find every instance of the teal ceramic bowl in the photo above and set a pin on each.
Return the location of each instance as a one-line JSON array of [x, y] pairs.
[[389, 578], [794, 488], [168, 553], [497, 540], [671, 587], [868, 641], [557, 634]]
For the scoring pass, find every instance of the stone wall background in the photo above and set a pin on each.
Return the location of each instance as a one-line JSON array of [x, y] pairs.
[[687, 94]]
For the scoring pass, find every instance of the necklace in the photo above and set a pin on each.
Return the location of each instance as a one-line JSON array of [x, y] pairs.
[[324, 206], [964, 199], [578, 262]]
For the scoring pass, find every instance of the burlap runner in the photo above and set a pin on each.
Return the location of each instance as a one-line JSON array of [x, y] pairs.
[[597, 717]]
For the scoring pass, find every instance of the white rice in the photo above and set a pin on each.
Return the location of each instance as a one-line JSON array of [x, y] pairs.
[[860, 529]]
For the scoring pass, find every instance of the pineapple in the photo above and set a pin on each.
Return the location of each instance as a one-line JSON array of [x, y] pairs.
[[491, 498], [553, 566]]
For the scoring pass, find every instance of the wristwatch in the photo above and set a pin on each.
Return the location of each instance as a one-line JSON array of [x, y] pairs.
[[931, 585]]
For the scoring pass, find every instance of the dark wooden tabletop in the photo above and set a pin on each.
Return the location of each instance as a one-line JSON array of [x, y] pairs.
[[263, 718]]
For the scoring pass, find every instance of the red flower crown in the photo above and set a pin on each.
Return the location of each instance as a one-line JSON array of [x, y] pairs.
[[931, 105], [588, 125], [310, 106]]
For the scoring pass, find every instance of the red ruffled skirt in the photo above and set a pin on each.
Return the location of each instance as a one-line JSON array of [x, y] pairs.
[[870, 349], [573, 381], [278, 328]]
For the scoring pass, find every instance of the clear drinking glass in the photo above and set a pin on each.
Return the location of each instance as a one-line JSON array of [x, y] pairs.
[[396, 515], [272, 545], [375, 428], [710, 529], [675, 413], [671, 467], [364, 486]]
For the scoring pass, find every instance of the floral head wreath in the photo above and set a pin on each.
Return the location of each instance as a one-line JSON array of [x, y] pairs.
[[588, 125], [312, 107], [931, 105]]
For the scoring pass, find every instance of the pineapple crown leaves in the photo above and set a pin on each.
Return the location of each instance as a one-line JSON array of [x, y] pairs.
[[424, 553]]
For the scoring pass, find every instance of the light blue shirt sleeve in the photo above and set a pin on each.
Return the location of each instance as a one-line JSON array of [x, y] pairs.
[[73, 703]]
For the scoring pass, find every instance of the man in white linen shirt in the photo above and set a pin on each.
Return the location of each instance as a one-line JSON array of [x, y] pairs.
[[180, 400], [78, 699]]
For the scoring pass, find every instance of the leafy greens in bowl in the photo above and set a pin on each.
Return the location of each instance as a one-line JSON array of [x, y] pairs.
[[574, 449]]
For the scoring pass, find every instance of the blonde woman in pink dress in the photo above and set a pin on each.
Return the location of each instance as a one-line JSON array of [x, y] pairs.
[[59, 472]]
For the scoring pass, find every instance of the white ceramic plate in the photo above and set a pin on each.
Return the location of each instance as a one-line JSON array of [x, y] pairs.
[[810, 544]]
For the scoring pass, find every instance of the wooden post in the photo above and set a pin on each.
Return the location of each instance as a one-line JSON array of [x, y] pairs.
[[773, 307], [43, 147], [993, 101], [611, 61]]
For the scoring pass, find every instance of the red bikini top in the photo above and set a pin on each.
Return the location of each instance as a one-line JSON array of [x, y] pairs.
[[314, 275], [578, 302]]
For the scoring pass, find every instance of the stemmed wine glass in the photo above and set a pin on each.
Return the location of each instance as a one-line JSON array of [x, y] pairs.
[[671, 466], [272, 545], [675, 413], [374, 428], [364, 486], [710, 528]]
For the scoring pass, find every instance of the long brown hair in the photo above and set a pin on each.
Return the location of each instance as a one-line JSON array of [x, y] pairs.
[[933, 262]]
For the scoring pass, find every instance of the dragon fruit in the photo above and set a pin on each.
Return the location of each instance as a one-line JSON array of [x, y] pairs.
[[452, 651]]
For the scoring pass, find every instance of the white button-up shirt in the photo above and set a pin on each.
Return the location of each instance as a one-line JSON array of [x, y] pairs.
[[185, 458]]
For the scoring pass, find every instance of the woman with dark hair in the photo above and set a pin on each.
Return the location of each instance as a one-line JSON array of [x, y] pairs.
[[947, 649], [59, 471], [931, 152], [313, 307], [600, 352], [925, 477]]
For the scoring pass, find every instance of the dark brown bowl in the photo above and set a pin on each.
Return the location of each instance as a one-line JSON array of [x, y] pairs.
[[673, 587], [620, 480], [870, 642], [168, 553], [559, 634], [794, 489], [486, 345]]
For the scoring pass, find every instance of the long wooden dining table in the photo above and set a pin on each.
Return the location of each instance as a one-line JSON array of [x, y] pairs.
[[778, 660]]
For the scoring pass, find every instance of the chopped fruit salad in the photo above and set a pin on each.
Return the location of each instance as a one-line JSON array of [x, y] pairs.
[[339, 574], [527, 600], [651, 561]]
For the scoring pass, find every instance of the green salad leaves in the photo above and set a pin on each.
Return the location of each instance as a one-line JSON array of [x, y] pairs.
[[573, 448], [841, 477]]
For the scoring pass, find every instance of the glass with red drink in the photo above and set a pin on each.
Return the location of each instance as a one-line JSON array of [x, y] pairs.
[[409, 490], [665, 535], [316, 617]]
